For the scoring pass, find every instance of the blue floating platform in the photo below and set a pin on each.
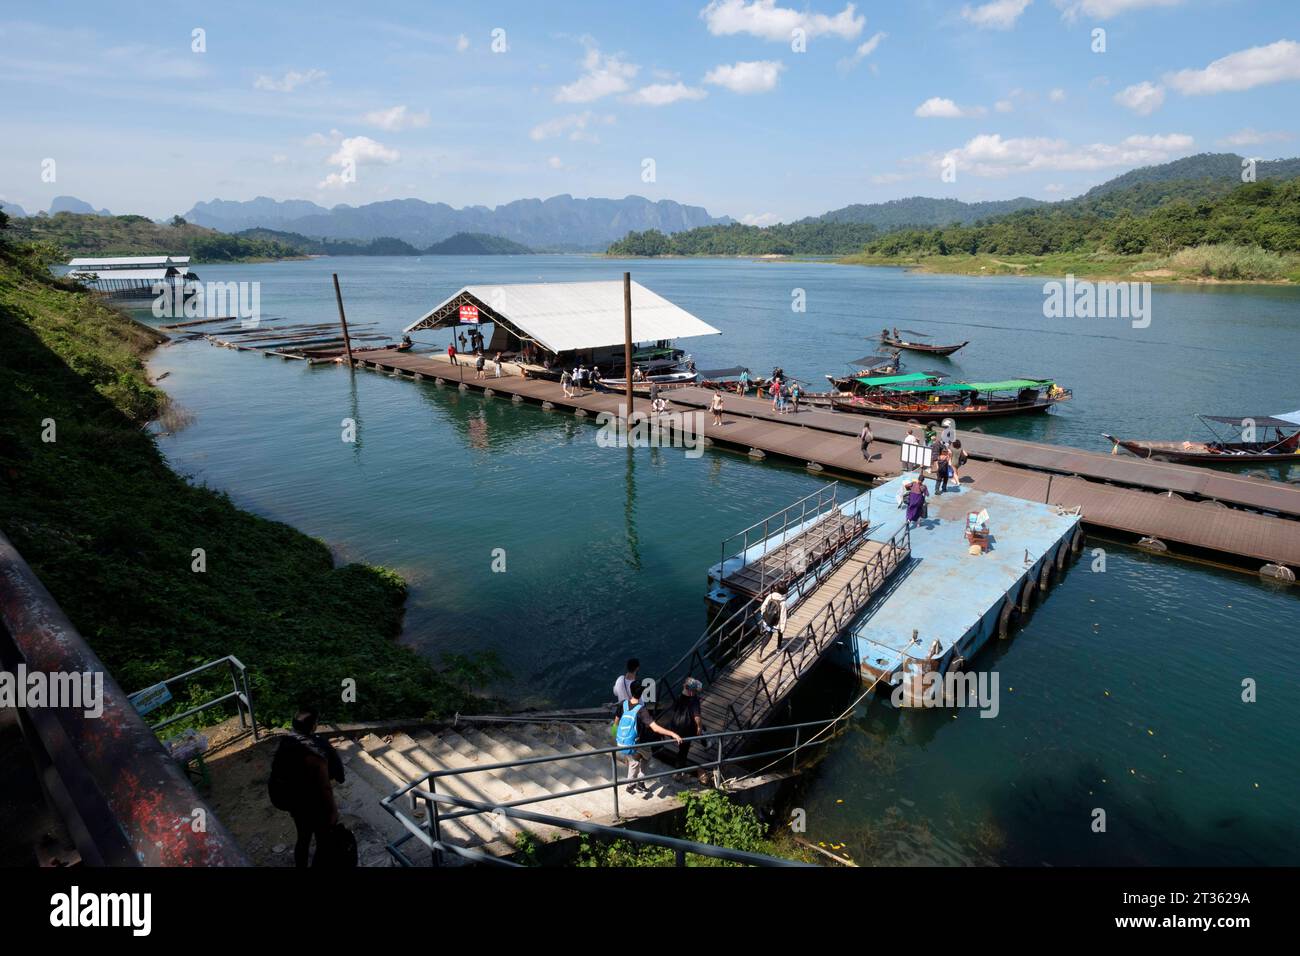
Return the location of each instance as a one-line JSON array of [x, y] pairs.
[[953, 600]]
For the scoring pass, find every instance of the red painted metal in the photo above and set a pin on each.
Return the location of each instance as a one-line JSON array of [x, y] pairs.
[[132, 803]]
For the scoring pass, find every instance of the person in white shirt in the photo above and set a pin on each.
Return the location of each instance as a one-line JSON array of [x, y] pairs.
[[772, 616], [623, 686]]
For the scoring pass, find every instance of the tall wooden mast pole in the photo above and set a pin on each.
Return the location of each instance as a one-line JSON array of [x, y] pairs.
[[627, 337], [343, 320]]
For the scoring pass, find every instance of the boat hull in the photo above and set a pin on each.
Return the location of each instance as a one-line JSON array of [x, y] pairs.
[[1234, 453]]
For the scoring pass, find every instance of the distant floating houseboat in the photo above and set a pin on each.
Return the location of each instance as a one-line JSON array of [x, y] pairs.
[[133, 278]]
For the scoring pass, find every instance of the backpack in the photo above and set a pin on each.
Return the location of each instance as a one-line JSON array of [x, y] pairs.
[[283, 785], [625, 735], [771, 612]]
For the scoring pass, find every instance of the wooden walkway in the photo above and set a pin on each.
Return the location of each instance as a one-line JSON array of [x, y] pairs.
[[746, 692], [1217, 514], [781, 564]]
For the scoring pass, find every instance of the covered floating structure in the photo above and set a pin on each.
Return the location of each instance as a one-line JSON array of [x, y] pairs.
[[554, 325], [131, 277]]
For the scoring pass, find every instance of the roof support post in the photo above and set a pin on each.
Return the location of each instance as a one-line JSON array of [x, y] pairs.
[[627, 340]]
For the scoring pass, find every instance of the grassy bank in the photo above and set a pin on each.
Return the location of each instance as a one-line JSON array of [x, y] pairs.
[[1223, 263], [111, 530]]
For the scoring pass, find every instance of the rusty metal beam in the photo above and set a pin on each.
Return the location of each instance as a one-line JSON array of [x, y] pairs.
[[126, 802]]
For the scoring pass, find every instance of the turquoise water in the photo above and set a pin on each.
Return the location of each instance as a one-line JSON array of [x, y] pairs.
[[1122, 692]]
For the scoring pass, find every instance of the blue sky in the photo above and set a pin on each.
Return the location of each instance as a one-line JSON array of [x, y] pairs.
[[287, 99]]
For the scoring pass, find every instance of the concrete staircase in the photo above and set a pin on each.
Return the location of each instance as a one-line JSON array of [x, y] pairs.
[[379, 764]]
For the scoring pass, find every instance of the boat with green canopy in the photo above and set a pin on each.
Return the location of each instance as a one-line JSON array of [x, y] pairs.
[[935, 401]]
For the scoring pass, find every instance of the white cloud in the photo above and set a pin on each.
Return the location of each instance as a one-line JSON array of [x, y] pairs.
[[1106, 9], [462, 43], [764, 19], [1142, 98], [396, 118], [998, 15], [938, 107], [289, 82], [579, 127], [1253, 137], [1057, 95], [661, 94], [884, 179], [1004, 106], [1243, 70], [555, 162], [748, 76], [760, 219], [603, 76], [863, 51], [353, 153], [989, 155], [1053, 188], [320, 139]]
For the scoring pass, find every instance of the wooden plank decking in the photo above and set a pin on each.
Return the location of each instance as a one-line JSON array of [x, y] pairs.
[[1132, 497], [749, 688]]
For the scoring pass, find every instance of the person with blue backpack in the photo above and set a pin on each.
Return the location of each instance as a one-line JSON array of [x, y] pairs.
[[636, 725]]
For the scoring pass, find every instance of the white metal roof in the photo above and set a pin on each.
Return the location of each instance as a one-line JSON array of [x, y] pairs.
[[127, 262], [562, 316], [151, 275]]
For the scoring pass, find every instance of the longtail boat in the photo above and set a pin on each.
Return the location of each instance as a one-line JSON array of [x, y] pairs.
[[932, 403], [868, 365], [1279, 446], [896, 341]]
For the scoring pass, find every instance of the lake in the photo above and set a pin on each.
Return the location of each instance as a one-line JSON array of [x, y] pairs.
[[1123, 692]]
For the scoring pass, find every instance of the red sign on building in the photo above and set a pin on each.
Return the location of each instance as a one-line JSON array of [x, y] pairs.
[[469, 315]]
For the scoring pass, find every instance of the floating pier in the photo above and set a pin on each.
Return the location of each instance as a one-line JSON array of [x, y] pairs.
[[1249, 521]]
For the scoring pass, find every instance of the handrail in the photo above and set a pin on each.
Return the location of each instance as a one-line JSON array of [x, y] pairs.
[[124, 800], [732, 634], [824, 626], [826, 498], [679, 846], [238, 677], [721, 757]]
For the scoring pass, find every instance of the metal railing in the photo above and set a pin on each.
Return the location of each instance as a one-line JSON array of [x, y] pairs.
[[814, 507], [723, 641], [679, 846], [91, 766], [423, 790], [761, 695], [239, 693]]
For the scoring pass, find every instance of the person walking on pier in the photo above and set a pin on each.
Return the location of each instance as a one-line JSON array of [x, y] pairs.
[[776, 394], [716, 408], [566, 383], [956, 456], [497, 362], [637, 726], [941, 471], [916, 495], [451, 353], [866, 438], [479, 362], [794, 396], [743, 387], [772, 618]]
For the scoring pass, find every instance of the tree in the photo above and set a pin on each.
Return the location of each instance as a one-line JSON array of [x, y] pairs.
[[178, 221]]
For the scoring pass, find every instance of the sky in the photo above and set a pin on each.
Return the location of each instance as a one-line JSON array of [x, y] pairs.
[[764, 110]]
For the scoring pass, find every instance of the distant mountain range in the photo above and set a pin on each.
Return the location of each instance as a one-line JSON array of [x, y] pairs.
[[923, 211], [461, 244], [561, 223]]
